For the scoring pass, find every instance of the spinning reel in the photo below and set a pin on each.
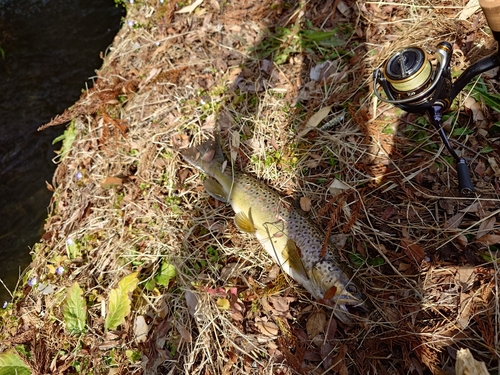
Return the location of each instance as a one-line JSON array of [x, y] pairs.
[[411, 82]]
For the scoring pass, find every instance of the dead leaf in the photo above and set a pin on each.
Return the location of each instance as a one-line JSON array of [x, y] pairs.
[[141, 329], [454, 221], [316, 324], [464, 274], [109, 182], [324, 70], [480, 168], [412, 250], [281, 304], [185, 334], [209, 124], [190, 8], [489, 239], [267, 328], [337, 187], [326, 352], [266, 66], [340, 362], [469, 9], [315, 120], [180, 141], [486, 226], [466, 364], [494, 165], [389, 212], [305, 204], [331, 329], [49, 186], [191, 302], [215, 5], [235, 145]]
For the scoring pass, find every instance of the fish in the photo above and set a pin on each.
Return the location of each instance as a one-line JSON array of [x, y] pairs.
[[287, 234]]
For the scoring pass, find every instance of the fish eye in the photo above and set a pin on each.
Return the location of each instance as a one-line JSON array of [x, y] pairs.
[[351, 288]]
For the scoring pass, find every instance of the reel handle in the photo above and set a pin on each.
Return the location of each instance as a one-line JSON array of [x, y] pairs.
[[465, 185]]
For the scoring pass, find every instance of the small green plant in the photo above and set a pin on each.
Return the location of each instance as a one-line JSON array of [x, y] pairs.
[[479, 91], [213, 254], [287, 41], [75, 310], [119, 302], [358, 260], [67, 138], [11, 363], [166, 273]]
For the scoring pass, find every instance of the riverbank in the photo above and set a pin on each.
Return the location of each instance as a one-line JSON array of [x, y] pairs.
[[140, 271]]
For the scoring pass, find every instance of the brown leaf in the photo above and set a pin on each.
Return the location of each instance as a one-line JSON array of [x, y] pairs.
[[109, 182], [412, 250], [185, 334], [340, 363], [389, 212], [466, 364], [49, 186], [305, 204], [180, 140], [267, 328], [489, 239], [331, 329], [326, 352], [485, 226], [281, 304], [316, 324], [141, 329], [480, 168], [454, 221]]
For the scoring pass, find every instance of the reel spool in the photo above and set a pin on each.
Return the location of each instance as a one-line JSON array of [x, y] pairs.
[[408, 72], [411, 82]]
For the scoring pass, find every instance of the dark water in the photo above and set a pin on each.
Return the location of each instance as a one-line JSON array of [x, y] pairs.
[[51, 48]]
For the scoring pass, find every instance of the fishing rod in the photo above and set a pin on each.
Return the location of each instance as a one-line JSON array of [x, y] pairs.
[[412, 83]]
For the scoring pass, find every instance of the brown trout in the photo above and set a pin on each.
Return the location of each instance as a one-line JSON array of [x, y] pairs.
[[288, 236]]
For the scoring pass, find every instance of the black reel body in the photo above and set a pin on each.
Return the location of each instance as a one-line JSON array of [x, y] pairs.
[[413, 83]]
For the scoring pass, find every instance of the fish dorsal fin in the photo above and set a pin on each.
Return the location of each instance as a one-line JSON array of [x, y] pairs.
[[215, 189], [291, 254], [244, 223]]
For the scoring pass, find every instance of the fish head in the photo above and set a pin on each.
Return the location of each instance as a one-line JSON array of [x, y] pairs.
[[331, 283], [350, 295]]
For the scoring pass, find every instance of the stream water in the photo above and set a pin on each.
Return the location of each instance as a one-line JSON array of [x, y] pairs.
[[49, 50]]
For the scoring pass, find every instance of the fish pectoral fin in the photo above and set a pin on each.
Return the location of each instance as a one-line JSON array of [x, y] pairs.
[[291, 254], [215, 189], [244, 223]]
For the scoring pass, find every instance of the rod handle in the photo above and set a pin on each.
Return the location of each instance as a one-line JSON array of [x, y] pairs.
[[491, 9]]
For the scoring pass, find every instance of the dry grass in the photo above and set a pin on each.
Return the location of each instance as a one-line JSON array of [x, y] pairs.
[[125, 197]]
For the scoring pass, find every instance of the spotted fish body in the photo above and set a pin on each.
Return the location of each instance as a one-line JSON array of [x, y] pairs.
[[288, 236]]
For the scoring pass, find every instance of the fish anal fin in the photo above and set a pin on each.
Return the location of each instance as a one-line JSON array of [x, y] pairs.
[[291, 253], [215, 189], [244, 223]]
